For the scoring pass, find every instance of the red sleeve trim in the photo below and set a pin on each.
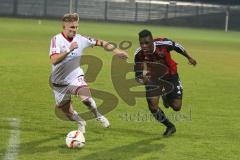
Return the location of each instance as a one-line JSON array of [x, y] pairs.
[[53, 54]]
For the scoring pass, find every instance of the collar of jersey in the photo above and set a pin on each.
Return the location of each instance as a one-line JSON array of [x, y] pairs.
[[68, 39]]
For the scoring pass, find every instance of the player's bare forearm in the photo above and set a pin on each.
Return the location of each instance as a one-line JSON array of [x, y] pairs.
[[109, 47], [178, 48], [56, 58], [190, 59], [185, 54]]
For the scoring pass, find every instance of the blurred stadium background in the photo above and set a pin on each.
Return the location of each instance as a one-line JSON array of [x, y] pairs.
[[219, 14]]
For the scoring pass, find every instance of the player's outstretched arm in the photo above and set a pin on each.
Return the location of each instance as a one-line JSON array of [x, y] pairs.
[[109, 47], [178, 48], [190, 59], [56, 58]]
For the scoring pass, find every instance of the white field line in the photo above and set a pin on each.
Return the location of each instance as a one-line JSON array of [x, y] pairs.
[[14, 140]]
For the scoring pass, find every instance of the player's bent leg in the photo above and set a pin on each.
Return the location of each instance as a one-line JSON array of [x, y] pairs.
[[153, 104], [63, 109], [160, 116], [85, 95], [71, 114], [176, 104], [83, 92], [174, 98], [90, 103], [155, 110]]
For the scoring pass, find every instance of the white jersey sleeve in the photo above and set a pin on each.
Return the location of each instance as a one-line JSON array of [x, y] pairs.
[[54, 46], [88, 42]]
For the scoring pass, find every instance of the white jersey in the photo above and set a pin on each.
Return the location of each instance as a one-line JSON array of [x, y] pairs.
[[68, 69]]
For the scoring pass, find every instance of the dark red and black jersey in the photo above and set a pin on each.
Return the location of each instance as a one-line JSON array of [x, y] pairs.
[[160, 55]]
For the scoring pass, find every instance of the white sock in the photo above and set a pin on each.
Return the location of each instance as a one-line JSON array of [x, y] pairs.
[[91, 104], [76, 117]]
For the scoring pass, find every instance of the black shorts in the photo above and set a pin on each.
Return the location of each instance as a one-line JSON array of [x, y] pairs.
[[176, 91]]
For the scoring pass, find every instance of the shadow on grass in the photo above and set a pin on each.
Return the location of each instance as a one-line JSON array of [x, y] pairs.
[[137, 132], [41, 145], [128, 152], [38, 146]]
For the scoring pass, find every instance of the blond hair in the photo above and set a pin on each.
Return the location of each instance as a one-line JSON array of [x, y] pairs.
[[70, 17]]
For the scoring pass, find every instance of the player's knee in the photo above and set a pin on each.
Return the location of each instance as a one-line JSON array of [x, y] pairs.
[[152, 105], [86, 102], [89, 102], [177, 106], [64, 107], [153, 108], [63, 112], [176, 109], [150, 102]]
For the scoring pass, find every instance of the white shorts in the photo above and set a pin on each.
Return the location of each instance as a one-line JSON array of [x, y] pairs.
[[63, 94]]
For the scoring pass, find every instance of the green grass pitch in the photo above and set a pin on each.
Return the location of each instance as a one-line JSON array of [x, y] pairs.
[[208, 127]]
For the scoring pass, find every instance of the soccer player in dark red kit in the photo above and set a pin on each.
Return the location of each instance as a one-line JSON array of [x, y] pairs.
[[157, 51]]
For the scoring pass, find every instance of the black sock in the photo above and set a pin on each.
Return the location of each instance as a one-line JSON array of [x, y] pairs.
[[161, 117]]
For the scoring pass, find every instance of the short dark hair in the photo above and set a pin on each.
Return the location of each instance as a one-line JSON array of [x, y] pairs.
[[144, 33]]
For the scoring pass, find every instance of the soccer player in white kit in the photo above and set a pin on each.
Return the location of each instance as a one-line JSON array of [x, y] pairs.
[[67, 77]]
